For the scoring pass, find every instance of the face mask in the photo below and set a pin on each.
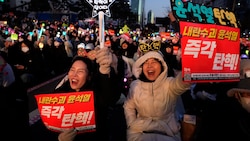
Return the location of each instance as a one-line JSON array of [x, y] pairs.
[[245, 102], [25, 49]]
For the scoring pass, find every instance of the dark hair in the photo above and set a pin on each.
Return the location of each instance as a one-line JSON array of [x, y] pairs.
[[86, 60]]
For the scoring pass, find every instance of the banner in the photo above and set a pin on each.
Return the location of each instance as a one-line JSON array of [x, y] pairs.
[[184, 10], [209, 52], [61, 111]]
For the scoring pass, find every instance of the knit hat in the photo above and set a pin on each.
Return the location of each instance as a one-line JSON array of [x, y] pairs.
[[59, 40], [81, 45]]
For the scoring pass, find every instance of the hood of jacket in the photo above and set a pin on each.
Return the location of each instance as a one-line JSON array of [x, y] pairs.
[[137, 66]]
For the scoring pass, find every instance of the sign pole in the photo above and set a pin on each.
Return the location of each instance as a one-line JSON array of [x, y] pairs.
[[101, 8], [101, 29]]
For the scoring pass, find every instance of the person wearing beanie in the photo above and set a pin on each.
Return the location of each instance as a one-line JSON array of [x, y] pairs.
[[151, 102]]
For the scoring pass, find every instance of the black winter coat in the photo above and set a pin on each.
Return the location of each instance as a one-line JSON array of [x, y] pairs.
[[106, 95]]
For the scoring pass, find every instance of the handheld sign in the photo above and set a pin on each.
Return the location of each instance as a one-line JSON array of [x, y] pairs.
[[101, 8], [67, 110], [210, 35]]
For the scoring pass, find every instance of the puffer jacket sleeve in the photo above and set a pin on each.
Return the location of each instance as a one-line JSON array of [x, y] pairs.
[[178, 86], [129, 106]]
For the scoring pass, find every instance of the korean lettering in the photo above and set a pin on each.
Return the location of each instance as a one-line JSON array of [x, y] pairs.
[[212, 33], [52, 100], [190, 11], [231, 60], [103, 1], [46, 110], [195, 9], [86, 97], [234, 36], [224, 16], [49, 111], [57, 111], [208, 49], [208, 12], [204, 32], [71, 99], [85, 117], [188, 30], [196, 32], [228, 35], [68, 120], [192, 48], [219, 15], [221, 34], [79, 98], [61, 99], [179, 8], [81, 117], [225, 60], [44, 100], [231, 17]]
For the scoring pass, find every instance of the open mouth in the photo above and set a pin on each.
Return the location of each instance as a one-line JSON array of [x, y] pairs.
[[74, 82]]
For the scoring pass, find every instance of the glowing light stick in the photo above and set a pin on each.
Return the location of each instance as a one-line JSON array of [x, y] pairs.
[[41, 32], [101, 8]]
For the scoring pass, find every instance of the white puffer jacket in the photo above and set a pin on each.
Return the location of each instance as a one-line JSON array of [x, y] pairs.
[[150, 106]]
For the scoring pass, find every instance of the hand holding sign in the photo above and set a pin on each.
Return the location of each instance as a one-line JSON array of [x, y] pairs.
[[67, 135]]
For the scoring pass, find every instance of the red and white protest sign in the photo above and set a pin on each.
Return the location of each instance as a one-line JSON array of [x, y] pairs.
[[209, 52], [61, 111]]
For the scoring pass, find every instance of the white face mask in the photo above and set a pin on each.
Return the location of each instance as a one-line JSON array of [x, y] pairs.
[[25, 49], [245, 102]]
